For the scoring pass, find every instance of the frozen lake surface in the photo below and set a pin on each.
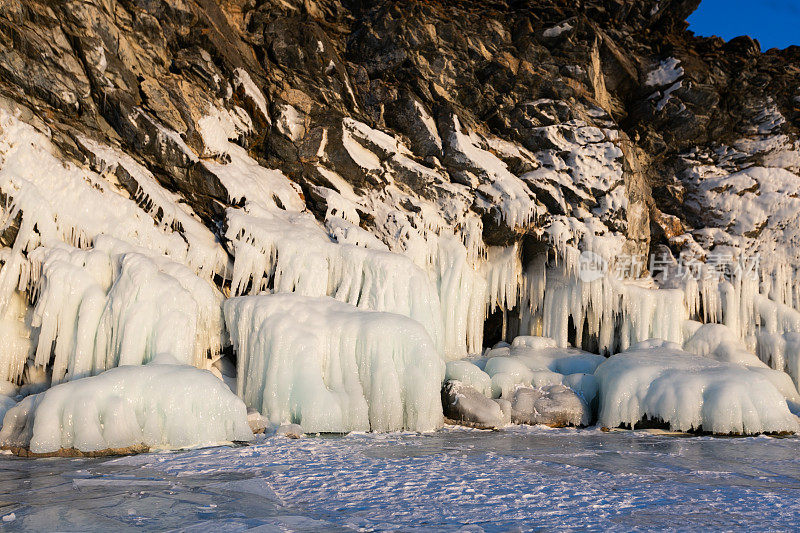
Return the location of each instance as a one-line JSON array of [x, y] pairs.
[[456, 479]]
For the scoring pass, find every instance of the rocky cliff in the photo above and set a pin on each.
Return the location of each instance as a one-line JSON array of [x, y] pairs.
[[451, 133]]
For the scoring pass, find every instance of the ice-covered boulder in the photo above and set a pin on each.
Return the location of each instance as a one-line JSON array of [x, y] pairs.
[[659, 381], [333, 367], [546, 378], [464, 404], [585, 385], [158, 405], [290, 431], [470, 374], [258, 423], [554, 405], [507, 373]]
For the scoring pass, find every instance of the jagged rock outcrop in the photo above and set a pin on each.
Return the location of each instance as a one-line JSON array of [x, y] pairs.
[[121, 71]]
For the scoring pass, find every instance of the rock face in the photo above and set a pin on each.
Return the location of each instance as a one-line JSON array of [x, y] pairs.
[[470, 137], [535, 74]]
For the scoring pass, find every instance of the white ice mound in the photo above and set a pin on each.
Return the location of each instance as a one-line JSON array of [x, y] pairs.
[[688, 392], [157, 405], [332, 367], [719, 342]]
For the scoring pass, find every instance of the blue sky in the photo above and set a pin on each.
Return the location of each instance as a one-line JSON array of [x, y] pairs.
[[775, 23]]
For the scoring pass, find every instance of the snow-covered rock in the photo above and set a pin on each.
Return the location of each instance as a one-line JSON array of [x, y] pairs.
[[292, 431], [659, 381], [554, 405], [158, 405], [332, 367], [463, 403], [537, 382], [258, 423], [507, 373]]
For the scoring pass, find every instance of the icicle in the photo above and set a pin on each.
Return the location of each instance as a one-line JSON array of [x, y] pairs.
[[68, 203], [298, 256], [332, 367], [462, 292], [115, 304], [503, 272]]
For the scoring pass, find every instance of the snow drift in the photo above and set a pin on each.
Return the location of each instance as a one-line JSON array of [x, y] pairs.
[[158, 405], [332, 367]]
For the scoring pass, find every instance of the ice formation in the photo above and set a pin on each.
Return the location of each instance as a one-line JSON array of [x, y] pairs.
[[109, 268], [296, 255], [469, 374], [502, 192], [6, 403], [114, 305], [241, 175], [463, 403], [553, 405], [204, 251], [158, 405], [90, 288], [537, 362], [61, 202], [15, 337], [688, 392], [332, 367], [529, 362]]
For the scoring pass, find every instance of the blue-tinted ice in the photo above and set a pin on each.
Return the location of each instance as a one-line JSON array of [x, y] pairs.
[[523, 477]]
